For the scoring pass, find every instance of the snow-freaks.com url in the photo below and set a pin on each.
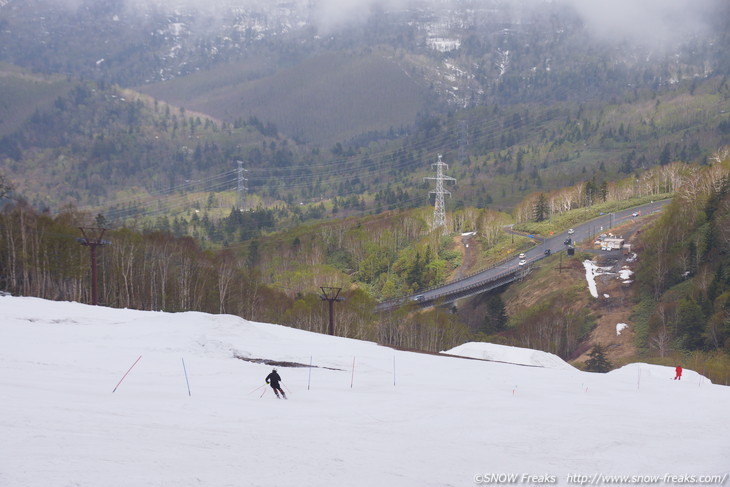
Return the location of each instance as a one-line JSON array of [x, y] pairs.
[[601, 479]]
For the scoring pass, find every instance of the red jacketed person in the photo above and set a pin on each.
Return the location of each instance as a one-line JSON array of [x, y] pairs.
[[678, 370]]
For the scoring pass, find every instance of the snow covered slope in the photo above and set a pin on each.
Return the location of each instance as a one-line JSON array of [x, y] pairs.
[[513, 355], [397, 419]]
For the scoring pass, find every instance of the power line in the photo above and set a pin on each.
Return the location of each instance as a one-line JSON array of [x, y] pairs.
[[336, 171]]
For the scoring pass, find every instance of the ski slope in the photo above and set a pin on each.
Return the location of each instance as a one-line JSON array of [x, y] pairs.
[[396, 419]]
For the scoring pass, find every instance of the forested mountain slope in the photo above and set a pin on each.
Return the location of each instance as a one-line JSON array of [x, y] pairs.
[[518, 97]]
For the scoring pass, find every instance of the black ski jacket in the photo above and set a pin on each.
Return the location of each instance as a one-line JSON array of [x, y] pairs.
[[273, 378]]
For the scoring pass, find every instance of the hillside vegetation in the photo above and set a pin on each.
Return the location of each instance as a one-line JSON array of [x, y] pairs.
[[518, 97], [330, 98], [677, 301], [239, 163], [126, 155]]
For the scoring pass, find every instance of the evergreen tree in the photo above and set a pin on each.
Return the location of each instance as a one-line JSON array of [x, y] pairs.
[[6, 187], [666, 156], [495, 319], [541, 208], [100, 221], [691, 324], [598, 361], [591, 190], [604, 191]]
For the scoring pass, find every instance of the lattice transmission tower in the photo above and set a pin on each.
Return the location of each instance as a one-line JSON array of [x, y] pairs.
[[242, 188], [439, 208]]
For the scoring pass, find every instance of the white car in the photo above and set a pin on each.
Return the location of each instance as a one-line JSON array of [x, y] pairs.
[[635, 214], [523, 262], [522, 256], [571, 231]]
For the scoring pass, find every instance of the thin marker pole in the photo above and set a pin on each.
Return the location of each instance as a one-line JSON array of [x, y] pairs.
[[393, 370], [353, 372], [309, 379], [125, 375], [186, 377]]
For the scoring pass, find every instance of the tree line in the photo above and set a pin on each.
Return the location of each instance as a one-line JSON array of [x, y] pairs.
[[41, 256], [684, 273]]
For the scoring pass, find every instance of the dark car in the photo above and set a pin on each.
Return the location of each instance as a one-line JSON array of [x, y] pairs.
[[547, 251], [568, 241]]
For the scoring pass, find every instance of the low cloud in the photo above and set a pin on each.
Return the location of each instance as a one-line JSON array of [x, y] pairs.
[[655, 23], [647, 22], [331, 15]]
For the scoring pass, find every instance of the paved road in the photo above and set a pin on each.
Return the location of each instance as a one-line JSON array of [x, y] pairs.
[[588, 230]]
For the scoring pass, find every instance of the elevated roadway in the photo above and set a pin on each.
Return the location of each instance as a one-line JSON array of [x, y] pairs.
[[510, 270]]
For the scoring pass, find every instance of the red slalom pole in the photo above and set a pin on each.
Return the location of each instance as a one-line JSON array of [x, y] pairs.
[[125, 375]]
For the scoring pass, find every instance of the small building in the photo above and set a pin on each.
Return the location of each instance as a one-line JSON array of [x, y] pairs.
[[612, 243]]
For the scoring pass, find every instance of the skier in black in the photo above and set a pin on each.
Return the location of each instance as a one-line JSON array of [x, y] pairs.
[[273, 380]]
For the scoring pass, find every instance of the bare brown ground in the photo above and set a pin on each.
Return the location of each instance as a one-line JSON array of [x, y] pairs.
[[616, 308]]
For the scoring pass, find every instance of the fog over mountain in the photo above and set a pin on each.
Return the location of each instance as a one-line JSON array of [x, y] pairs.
[[649, 22]]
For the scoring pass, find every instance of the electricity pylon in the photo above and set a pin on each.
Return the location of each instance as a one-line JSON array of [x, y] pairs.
[[439, 209], [242, 188]]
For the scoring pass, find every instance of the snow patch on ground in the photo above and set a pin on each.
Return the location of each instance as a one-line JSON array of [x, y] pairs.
[[512, 355], [593, 271], [591, 277], [620, 327]]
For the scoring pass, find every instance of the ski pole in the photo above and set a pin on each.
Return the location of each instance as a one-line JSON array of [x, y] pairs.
[[257, 389], [125, 375], [262, 394]]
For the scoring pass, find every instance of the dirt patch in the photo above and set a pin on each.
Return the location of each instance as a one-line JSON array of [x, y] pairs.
[[613, 328], [278, 363], [465, 245], [615, 299], [561, 277]]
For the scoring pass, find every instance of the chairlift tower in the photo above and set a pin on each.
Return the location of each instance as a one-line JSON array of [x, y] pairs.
[[93, 238], [242, 188], [331, 295], [439, 209]]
